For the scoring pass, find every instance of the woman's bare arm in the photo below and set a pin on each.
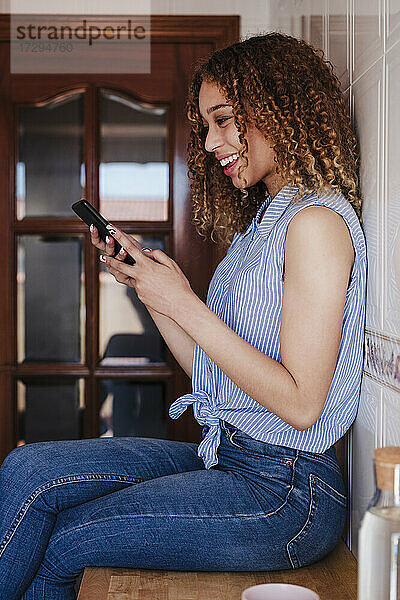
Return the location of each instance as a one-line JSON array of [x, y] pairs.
[[179, 342]]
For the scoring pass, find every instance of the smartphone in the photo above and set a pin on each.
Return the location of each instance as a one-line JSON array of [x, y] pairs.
[[90, 216]]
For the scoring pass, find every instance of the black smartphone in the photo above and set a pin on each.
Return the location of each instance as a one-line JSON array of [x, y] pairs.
[[90, 215]]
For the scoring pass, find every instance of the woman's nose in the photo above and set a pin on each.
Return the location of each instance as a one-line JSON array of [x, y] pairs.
[[213, 140]]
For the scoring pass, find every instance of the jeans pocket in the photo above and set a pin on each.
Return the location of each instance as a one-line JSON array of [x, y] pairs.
[[269, 469], [323, 526]]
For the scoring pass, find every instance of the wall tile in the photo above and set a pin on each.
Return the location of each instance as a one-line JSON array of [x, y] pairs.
[[382, 359], [367, 103], [366, 436], [300, 18], [368, 34], [283, 17], [391, 288], [393, 22], [339, 38], [391, 417]]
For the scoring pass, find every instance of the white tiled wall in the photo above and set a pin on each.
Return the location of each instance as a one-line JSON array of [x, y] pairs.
[[362, 39]]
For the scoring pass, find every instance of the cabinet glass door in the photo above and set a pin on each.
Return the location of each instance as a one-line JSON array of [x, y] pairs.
[[50, 169], [134, 170]]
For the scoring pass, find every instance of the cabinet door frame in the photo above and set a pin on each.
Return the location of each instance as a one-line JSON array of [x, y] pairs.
[[193, 36]]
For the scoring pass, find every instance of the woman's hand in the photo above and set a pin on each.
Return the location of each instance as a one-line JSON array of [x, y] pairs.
[[159, 282], [109, 247]]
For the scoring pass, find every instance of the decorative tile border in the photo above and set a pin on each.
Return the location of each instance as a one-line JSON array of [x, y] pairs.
[[382, 359]]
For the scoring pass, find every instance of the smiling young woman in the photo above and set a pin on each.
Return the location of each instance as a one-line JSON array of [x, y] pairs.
[[284, 89], [275, 353]]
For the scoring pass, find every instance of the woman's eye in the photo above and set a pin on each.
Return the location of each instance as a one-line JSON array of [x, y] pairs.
[[219, 121], [222, 120]]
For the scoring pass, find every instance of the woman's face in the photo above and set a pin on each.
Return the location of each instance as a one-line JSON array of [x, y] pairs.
[[223, 140]]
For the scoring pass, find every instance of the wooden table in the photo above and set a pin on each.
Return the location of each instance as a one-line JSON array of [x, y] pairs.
[[333, 578]]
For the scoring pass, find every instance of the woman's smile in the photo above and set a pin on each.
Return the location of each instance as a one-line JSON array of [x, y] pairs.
[[229, 163]]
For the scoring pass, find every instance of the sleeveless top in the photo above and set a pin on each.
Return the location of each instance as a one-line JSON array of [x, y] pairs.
[[246, 293]]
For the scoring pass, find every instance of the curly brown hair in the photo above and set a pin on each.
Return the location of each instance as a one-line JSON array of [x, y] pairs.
[[296, 102]]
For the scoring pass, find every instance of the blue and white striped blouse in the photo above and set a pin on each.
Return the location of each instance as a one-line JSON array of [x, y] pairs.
[[246, 293]]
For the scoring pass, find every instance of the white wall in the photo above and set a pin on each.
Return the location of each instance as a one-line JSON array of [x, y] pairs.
[[362, 39]]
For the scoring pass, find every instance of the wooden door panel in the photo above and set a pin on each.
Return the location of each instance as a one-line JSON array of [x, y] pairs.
[[157, 86]]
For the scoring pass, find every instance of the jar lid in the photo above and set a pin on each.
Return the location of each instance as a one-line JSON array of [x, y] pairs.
[[386, 460]]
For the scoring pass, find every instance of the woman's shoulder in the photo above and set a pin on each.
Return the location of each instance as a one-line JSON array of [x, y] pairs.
[[318, 217], [318, 231], [330, 213], [329, 198]]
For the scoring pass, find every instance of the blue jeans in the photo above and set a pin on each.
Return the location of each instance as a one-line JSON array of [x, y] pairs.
[[148, 503]]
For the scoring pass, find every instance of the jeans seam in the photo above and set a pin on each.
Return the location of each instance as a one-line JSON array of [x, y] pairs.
[[52, 484], [261, 515], [314, 481], [311, 511]]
